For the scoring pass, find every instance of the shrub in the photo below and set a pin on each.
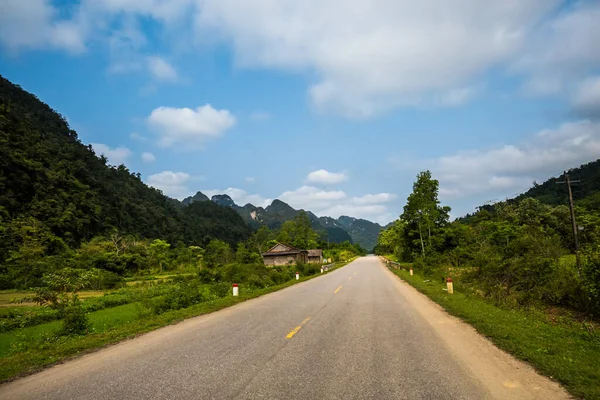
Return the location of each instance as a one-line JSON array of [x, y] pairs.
[[75, 318]]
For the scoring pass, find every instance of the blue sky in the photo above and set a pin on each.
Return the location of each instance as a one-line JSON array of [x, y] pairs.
[[332, 106]]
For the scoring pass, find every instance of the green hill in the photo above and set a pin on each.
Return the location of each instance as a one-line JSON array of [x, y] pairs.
[[54, 189], [586, 192]]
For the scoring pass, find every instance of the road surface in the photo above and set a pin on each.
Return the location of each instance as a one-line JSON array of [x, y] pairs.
[[355, 333]]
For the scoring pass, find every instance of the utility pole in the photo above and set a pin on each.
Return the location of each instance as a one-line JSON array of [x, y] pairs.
[[573, 223]]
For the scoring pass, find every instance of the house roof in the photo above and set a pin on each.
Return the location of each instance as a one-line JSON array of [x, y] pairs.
[[281, 247], [315, 253], [284, 253]]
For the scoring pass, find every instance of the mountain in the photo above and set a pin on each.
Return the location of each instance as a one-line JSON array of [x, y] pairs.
[[195, 198], [361, 230], [55, 192], [339, 230]]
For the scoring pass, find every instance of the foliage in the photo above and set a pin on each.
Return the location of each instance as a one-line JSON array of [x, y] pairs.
[[423, 214], [60, 293], [515, 253], [298, 232]]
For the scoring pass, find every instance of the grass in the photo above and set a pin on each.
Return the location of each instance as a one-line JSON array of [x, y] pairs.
[[565, 350], [27, 350]]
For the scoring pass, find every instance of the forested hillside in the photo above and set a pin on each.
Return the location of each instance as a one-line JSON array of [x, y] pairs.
[[56, 194], [586, 187]]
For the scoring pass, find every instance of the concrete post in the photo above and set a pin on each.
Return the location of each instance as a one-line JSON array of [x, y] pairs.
[[235, 289], [411, 272], [297, 276], [449, 285]]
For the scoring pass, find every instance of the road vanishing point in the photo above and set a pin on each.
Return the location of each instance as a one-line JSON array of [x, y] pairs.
[[357, 332]]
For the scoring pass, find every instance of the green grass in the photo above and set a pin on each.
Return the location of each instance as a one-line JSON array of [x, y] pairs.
[[29, 349], [566, 350]]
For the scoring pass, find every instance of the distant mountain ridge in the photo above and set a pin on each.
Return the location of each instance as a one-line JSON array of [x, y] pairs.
[[344, 228]]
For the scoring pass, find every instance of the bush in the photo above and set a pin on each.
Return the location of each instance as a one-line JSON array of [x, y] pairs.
[[75, 321], [591, 279], [179, 296]]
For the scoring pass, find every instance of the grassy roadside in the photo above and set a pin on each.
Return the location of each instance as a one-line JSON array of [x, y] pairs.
[[35, 356], [565, 350]]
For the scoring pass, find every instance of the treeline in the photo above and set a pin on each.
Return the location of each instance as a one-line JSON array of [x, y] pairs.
[[518, 252], [112, 257]]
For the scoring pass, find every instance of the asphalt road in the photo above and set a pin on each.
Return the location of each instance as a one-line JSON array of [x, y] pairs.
[[355, 333]]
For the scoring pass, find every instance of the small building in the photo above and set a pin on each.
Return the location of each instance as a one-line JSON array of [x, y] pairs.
[[315, 256], [282, 254]]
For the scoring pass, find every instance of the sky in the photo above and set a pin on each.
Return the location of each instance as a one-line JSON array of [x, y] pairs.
[[333, 106]]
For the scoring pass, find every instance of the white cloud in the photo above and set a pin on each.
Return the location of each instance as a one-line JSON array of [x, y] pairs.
[[241, 197], [36, 24], [260, 116], [512, 168], [562, 51], [363, 57], [374, 198], [370, 56], [586, 101], [311, 198], [137, 136], [187, 127], [326, 177], [250, 179], [161, 69], [116, 156], [148, 157], [173, 184]]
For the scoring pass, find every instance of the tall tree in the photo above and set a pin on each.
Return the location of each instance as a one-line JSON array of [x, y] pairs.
[[422, 212]]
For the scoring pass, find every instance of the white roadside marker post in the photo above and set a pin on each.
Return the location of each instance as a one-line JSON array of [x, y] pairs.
[[235, 289], [411, 272], [297, 276], [449, 285], [321, 269]]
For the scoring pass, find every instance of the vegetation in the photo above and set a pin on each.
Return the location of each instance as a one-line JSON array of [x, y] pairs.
[[518, 253]]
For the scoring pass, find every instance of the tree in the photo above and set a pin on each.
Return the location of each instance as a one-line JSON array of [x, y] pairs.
[[261, 238], [60, 293], [159, 251], [217, 253], [422, 212], [298, 232]]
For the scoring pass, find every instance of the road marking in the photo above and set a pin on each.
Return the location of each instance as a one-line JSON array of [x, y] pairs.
[[338, 289], [355, 273], [349, 277], [296, 329]]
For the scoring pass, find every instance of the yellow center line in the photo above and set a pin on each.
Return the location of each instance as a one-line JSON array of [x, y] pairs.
[[296, 329], [355, 273], [338, 289]]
